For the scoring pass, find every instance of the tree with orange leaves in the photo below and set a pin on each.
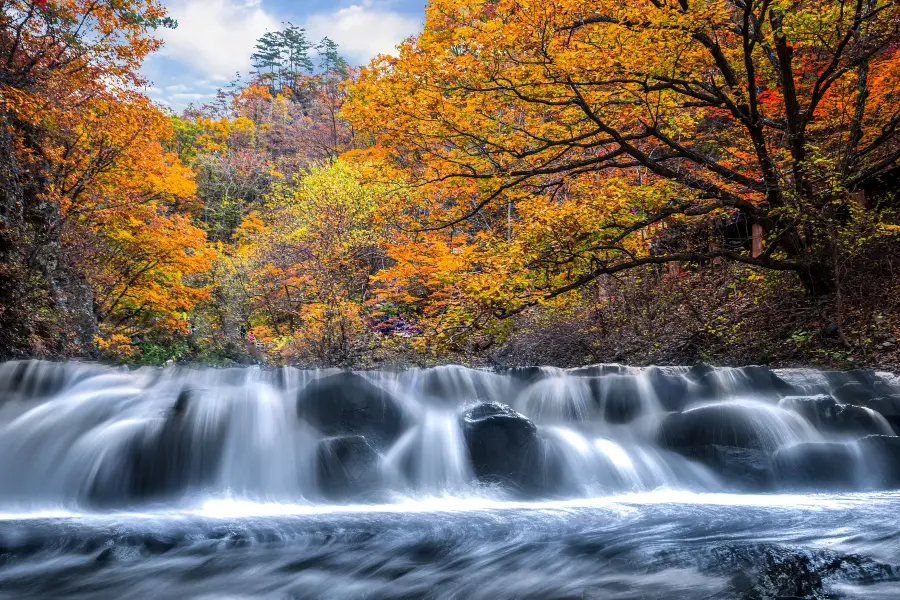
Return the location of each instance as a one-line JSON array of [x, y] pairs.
[[91, 225], [540, 146]]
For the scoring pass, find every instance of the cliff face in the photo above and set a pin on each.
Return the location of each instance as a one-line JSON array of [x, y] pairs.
[[46, 306]]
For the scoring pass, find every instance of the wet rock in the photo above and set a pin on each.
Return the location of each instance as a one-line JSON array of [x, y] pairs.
[[527, 375], [827, 414], [779, 573], [183, 452], [820, 410], [859, 420], [733, 425], [349, 404], [503, 445], [854, 393], [619, 398], [889, 407], [671, 389], [598, 370], [859, 387], [882, 456], [346, 466], [752, 380], [774, 572], [744, 469], [819, 466]]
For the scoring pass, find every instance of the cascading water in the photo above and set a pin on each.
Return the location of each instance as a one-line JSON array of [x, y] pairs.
[[598, 482], [87, 435]]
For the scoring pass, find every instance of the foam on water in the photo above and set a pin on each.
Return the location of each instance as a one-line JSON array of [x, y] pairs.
[[68, 432]]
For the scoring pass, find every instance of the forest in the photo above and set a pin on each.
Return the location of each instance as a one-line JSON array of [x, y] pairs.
[[647, 182]]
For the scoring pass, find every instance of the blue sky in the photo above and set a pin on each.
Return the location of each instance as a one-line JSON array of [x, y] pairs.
[[215, 38]]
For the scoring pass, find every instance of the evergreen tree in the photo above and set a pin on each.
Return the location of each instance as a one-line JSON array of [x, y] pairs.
[[268, 58]]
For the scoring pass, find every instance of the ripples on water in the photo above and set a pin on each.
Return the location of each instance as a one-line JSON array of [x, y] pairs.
[[663, 545]]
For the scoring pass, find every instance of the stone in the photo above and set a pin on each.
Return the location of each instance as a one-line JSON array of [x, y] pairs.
[[349, 404], [818, 466], [503, 445], [346, 466]]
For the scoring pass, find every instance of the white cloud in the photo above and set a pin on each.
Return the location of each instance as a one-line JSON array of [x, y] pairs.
[[362, 31], [190, 96], [216, 37]]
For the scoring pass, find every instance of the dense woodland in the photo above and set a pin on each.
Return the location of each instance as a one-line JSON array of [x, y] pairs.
[[651, 181]]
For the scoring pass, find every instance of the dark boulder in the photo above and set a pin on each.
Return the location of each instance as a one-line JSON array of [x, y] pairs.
[[744, 469], [346, 466], [854, 392], [527, 375], [887, 406], [752, 380], [755, 571], [737, 425], [619, 398], [672, 389], [820, 410], [818, 466], [181, 453], [859, 420], [881, 454], [503, 445], [827, 414], [598, 370], [859, 387], [349, 404]]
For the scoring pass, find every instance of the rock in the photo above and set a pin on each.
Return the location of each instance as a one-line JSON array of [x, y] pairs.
[[671, 389], [881, 454], [819, 410], [819, 466], [859, 420], [598, 370], [619, 398], [759, 427], [752, 380], [827, 414], [183, 452], [859, 387], [346, 466], [765, 571], [747, 470], [888, 407], [503, 445], [527, 375], [348, 404], [854, 393]]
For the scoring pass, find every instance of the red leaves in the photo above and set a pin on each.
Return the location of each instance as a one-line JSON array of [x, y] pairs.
[[41, 4]]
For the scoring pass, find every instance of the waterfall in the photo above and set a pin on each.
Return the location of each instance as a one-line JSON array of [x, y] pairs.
[[84, 434]]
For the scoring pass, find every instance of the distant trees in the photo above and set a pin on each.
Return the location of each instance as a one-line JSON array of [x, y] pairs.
[[299, 270], [281, 60], [283, 63]]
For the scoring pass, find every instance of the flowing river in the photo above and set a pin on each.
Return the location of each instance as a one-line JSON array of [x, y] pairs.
[[605, 482]]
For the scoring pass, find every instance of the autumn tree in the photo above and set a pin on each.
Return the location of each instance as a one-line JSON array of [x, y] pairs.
[[540, 146], [300, 267], [96, 206]]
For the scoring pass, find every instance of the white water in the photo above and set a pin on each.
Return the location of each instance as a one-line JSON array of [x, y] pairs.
[[67, 432]]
